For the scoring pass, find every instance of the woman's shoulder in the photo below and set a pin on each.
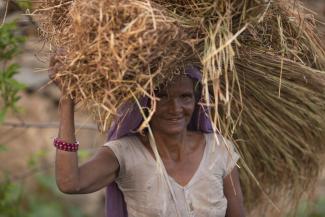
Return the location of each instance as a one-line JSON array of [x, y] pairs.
[[219, 146], [123, 141], [222, 152]]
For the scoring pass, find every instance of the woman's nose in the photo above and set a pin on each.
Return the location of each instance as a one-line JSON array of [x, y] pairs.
[[174, 105]]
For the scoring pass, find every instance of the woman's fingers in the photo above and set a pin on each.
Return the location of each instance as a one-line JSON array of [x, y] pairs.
[[55, 65], [57, 60]]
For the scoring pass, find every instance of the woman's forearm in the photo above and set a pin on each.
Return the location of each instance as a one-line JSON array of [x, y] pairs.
[[66, 163], [66, 128], [91, 176]]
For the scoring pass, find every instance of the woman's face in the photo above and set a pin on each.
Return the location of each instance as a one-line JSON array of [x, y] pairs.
[[175, 106]]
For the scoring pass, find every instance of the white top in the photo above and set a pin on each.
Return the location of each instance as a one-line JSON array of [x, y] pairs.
[[146, 193]]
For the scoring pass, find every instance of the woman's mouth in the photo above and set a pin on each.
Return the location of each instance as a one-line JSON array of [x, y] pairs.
[[173, 119]]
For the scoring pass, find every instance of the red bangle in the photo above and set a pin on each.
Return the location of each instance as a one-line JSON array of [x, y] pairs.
[[65, 146]]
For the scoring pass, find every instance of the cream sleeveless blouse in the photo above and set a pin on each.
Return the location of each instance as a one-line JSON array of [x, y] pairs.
[[146, 193]]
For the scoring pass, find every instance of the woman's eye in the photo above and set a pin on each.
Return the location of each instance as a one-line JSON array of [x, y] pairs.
[[187, 96], [162, 95]]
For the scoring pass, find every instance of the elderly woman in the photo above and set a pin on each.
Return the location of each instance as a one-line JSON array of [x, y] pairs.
[[201, 178]]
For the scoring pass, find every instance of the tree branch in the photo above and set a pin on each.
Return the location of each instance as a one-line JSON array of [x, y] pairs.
[[46, 125]]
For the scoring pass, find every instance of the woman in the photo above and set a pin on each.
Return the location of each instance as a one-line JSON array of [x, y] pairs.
[[201, 178]]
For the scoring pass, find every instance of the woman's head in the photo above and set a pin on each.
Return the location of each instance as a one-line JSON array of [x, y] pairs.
[[196, 116], [176, 103]]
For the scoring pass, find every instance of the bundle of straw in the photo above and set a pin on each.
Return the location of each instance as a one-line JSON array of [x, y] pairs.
[[281, 71], [262, 64], [280, 138], [117, 50]]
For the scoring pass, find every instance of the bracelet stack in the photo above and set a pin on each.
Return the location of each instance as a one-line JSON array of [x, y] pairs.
[[65, 146]]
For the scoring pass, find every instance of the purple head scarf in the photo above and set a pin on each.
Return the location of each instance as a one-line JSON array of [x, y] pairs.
[[128, 123]]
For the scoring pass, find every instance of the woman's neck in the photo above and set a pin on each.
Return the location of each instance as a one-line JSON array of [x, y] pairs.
[[171, 147]]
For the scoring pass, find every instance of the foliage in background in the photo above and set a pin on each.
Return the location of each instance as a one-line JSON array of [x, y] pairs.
[[312, 208], [16, 200], [10, 44], [42, 200], [47, 200], [24, 5], [9, 198]]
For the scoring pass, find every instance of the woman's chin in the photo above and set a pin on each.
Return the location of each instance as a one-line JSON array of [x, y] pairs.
[[171, 130], [169, 127]]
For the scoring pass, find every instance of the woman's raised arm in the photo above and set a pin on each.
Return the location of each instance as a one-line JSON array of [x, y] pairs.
[[71, 178]]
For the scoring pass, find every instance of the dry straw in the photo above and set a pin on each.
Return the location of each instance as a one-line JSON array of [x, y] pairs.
[[115, 49], [281, 69], [263, 75]]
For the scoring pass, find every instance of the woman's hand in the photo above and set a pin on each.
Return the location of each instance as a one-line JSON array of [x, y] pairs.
[[56, 63], [57, 60]]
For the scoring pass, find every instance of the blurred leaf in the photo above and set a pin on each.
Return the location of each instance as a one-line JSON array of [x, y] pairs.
[[24, 4], [13, 193], [3, 112], [9, 42], [35, 158], [11, 70], [48, 183], [50, 209], [75, 212], [3, 148], [309, 209], [9, 198], [83, 154], [320, 206], [43, 201]]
